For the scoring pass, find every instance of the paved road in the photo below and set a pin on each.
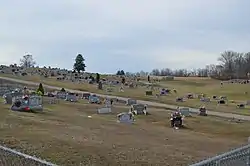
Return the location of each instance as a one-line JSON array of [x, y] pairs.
[[193, 110]]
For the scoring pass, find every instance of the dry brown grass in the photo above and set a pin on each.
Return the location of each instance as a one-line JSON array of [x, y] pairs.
[[65, 135]]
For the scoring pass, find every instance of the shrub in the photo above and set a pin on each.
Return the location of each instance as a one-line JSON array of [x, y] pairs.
[[41, 89]]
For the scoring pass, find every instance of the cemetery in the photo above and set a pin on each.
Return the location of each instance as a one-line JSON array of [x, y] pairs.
[[177, 91], [89, 125]]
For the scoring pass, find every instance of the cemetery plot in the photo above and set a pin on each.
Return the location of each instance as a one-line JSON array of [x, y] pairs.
[[188, 92], [27, 103]]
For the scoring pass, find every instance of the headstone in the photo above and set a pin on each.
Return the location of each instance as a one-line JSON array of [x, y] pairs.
[[241, 106], [131, 101], [100, 85], [33, 103], [7, 98], [185, 111], [61, 95], [94, 99], [179, 99], [203, 111], [221, 102], [149, 93], [35, 100], [125, 118], [190, 96], [139, 109], [71, 97], [204, 99], [223, 97], [108, 103], [104, 110], [85, 95]]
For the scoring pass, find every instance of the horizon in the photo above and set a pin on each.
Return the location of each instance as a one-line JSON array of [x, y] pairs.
[[130, 35]]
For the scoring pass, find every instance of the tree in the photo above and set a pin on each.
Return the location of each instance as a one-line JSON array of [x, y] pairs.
[[27, 61], [40, 89], [122, 73], [63, 90], [156, 72], [79, 63], [118, 72], [97, 77]]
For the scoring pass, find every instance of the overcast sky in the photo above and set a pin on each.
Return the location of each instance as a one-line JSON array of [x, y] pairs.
[[132, 35]]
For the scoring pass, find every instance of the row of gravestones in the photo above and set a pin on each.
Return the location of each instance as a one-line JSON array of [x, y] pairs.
[[122, 117]]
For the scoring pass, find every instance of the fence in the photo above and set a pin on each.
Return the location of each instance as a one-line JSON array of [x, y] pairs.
[[237, 157], [10, 157]]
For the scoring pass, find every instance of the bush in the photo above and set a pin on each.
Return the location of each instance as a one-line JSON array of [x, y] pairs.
[[40, 89], [39, 93]]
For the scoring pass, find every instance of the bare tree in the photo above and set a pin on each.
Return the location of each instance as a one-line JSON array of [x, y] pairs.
[[27, 61], [232, 65]]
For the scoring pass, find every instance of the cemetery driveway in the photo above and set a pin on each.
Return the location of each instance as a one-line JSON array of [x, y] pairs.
[[168, 106]]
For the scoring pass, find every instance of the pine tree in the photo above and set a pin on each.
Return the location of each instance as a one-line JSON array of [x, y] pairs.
[[79, 63]]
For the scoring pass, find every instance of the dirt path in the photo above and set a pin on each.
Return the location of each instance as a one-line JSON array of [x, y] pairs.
[[193, 110]]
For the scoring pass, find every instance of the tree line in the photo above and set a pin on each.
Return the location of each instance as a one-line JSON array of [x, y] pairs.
[[232, 65]]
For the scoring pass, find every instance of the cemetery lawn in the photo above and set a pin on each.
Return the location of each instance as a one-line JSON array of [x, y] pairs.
[[234, 92], [63, 134]]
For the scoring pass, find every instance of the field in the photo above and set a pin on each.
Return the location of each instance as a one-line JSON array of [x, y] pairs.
[[64, 134], [236, 93]]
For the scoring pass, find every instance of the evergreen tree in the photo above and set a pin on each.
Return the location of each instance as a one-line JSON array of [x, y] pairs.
[[79, 63], [122, 73], [97, 77], [40, 89], [63, 90]]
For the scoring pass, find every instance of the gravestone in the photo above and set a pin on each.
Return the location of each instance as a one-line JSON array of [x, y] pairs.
[[241, 106], [71, 97], [104, 110], [139, 109], [185, 111], [7, 98], [94, 99], [108, 103], [204, 99], [131, 102], [125, 118], [221, 102], [85, 95], [149, 93], [33, 103], [179, 99], [190, 96], [223, 97], [61, 95], [100, 85]]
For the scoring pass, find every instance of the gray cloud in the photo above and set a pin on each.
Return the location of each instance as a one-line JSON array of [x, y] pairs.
[[160, 33]]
